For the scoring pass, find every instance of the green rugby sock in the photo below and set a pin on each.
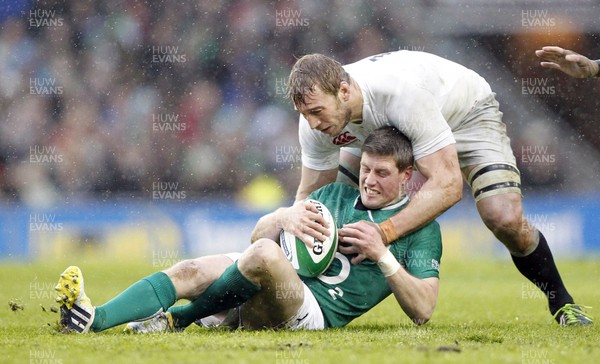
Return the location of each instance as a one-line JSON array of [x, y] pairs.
[[142, 299], [229, 291]]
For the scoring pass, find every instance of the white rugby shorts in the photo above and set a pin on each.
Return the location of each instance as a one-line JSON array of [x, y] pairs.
[[481, 135], [308, 317]]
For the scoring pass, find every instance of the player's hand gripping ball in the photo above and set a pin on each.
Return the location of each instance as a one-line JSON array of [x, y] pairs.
[[311, 262]]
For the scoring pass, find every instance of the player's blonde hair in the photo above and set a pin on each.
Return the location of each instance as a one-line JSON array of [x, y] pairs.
[[315, 70], [389, 141]]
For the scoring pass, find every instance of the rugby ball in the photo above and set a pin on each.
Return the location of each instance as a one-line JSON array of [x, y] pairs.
[[311, 262]]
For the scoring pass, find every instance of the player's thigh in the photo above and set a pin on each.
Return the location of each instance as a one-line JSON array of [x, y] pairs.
[[192, 277], [486, 158], [493, 178], [481, 136], [496, 188], [281, 294]]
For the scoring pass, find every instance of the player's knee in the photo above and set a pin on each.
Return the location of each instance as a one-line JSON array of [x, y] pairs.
[[502, 215], [260, 257], [508, 224]]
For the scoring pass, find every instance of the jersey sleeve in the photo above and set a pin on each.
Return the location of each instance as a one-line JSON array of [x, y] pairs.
[[424, 252], [317, 152], [414, 111]]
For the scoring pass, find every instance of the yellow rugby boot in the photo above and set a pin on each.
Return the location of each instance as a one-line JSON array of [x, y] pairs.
[[76, 310]]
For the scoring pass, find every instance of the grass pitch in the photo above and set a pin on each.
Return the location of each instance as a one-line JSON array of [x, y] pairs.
[[486, 313]]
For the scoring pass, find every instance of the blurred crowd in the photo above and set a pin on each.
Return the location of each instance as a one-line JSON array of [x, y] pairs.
[[110, 98], [104, 99]]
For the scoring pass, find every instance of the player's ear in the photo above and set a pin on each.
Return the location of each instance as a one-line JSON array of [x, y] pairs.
[[344, 90], [407, 174]]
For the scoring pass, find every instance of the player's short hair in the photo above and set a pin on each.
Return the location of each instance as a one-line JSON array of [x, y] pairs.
[[389, 141], [315, 70]]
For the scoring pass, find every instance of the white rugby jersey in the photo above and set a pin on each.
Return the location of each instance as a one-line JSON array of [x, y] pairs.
[[425, 96]]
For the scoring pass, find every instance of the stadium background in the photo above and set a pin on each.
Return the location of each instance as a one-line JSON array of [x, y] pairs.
[[158, 131]]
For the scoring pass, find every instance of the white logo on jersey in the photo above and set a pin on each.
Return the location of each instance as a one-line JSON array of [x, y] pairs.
[[342, 275], [335, 292], [435, 264]]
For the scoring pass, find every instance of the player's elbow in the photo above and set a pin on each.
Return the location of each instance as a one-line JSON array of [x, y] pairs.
[[423, 312], [257, 232], [420, 320], [265, 227], [422, 317]]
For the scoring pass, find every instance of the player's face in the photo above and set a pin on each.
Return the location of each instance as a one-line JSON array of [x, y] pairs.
[[327, 113], [380, 181]]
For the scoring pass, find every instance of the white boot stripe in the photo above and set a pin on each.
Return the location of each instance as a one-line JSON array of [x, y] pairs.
[[81, 312]]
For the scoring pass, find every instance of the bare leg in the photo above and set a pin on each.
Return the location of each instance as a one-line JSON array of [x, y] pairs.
[[282, 292], [191, 277], [503, 215]]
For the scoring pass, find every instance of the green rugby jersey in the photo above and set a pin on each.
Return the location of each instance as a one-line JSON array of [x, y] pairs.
[[347, 291]]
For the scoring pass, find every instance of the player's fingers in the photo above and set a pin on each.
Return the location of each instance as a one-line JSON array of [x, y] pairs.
[[349, 232], [547, 56], [550, 65], [354, 225], [354, 242], [317, 230], [358, 259], [305, 233], [360, 226], [308, 240], [350, 240], [347, 249], [365, 230], [315, 235], [309, 206], [321, 220], [554, 49], [314, 215], [323, 225]]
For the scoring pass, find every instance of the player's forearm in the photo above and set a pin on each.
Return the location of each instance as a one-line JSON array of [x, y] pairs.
[[303, 192], [312, 180], [416, 297], [441, 190], [430, 202], [586, 68], [596, 68], [590, 67]]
